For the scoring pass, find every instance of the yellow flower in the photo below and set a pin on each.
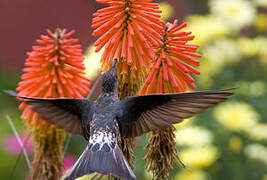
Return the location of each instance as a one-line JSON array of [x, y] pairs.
[[199, 156], [92, 62], [193, 136], [248, 46], [236, 115], [254, 89], [258, 132], [216, 55], [261, 42], [222, 51], [208, 69], [257, 152], [206, 28], [257, 88], [253, 47], [235, 144], [261, 22], [243, 88], [236, 14], [195, 174], [167, 10]]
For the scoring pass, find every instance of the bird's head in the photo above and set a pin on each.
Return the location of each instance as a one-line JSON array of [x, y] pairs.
[[110, 79]]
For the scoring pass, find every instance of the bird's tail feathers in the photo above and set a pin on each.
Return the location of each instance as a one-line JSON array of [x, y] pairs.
[[101, 161]]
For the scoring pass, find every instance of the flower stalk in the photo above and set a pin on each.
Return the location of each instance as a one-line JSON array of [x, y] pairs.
[[169, 74], [53, 69]]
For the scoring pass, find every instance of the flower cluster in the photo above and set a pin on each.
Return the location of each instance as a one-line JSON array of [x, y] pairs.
[[257, 152], [236, 115], [172, 67], [235, 14], [200, 156], [129, 29], [193, 136], [53, 69]]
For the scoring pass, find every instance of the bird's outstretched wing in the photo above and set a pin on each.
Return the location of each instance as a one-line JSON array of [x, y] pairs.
[[141, 114], [65, 113]]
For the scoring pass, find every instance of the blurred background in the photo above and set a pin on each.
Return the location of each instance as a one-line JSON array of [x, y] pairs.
[[227, 142]]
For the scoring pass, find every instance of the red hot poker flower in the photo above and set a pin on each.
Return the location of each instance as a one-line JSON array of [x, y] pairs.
[[170, 73], [129, 29], [172, 68], [53, 69]]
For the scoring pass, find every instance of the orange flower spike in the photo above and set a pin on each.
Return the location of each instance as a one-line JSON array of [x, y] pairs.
[[169, 61], [53, 69], [171, 73], [134, 25], [173, 80], [152, 85], [124, 46], [159, 85], [174, 61], [165, 72]]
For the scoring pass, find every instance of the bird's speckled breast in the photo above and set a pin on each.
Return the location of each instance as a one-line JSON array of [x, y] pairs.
[[104, 126], [104, 118]]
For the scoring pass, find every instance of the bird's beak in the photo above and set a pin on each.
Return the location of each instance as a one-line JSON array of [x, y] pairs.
[[114, 63]]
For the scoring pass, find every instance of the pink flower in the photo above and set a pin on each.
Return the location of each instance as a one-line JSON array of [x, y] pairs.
[[69, 162], [11, 144]]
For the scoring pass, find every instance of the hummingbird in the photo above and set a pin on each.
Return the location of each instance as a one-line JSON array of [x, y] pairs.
[[102, 121]]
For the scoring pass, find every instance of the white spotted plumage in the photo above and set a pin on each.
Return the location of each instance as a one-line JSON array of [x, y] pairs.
[[102, 138]]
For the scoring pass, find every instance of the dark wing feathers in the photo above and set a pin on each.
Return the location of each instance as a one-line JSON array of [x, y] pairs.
[[65, 113], [141, 114], [57, 116]]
